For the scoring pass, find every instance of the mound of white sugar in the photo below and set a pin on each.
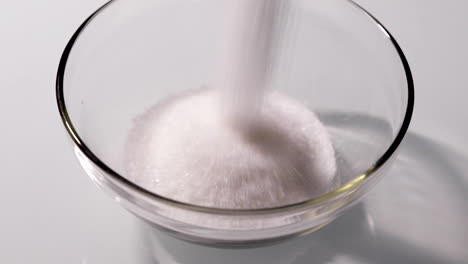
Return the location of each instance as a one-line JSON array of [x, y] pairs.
[[186, 149], [241, 145]]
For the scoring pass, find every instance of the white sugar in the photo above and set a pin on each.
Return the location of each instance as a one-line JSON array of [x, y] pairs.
[[239, 144], [247, 52], [186, 149]]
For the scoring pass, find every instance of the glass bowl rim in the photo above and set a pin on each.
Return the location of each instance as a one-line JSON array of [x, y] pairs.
[[148, 194]]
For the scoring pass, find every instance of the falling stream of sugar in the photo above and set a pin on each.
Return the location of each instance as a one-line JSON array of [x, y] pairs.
[[238, 144], [247, 55]]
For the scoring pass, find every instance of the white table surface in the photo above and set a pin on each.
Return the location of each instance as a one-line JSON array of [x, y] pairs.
[[50, 212]]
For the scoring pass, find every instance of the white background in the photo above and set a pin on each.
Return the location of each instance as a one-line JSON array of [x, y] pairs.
[[37, 167]]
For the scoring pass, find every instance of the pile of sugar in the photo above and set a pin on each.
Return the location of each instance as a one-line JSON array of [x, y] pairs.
[[239, 145], [187, 150]]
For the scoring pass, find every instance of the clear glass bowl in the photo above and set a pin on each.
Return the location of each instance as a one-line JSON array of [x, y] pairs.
[[333, 56]]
